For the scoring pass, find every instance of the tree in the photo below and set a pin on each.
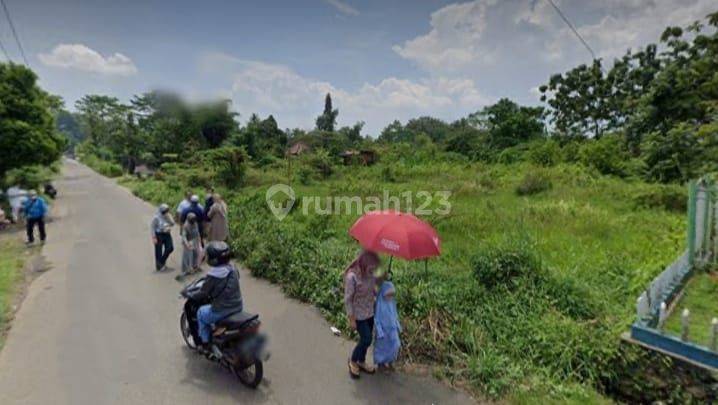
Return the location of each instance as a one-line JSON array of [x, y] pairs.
[[394, 132], [353, 133], [328, 119], [508, 124], [68, 124], [581, 101], [27, 125], [98, 114], [435, 128], [216, 122]]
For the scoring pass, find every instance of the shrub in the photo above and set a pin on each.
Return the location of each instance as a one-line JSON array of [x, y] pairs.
[[506, 264], [668, 197], [511, 155], [534, 182], [544, 153], [228, 164], [388, 174], [28, 177], [104, 167], [305, 174], [322, 162], [606, 155]]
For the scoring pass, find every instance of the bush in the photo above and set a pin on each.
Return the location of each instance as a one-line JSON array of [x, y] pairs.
[[388, 174], [322, 162], [534, 182], [506, 264], [606, 155], [669, 197], [228, 164], [103, 167], [511, 155], [28, 177], [544, 153], [305, 174]]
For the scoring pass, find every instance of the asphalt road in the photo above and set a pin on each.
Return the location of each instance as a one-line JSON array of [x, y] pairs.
[[101, 327]]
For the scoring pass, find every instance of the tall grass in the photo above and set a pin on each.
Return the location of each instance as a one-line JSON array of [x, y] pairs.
[[530, 294]]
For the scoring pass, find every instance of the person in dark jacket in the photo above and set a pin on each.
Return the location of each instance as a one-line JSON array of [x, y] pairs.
[[209, 200], [220, 289], [196, 208]]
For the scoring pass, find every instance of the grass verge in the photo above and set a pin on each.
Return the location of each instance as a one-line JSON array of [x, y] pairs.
[[699, 297], [12, 260]]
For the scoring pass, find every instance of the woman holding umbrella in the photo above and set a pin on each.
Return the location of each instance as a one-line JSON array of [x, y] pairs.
[[390, 232], [359, 286]]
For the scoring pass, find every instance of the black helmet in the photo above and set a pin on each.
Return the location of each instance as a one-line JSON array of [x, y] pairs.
[[217, 253]]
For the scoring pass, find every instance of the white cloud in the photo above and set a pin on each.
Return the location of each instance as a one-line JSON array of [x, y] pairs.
[[454, 40], [296, 100], [623, 24], [343, 7], [80, 57]]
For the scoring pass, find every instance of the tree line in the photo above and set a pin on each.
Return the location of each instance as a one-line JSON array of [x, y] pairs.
[[652, 114]]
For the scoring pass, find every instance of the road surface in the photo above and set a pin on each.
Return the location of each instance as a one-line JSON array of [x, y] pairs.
[[101, 327]]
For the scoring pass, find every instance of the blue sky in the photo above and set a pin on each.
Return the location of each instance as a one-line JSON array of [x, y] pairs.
[[381, 60]]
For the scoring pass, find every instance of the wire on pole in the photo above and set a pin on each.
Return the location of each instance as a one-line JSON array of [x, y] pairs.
[[575, 31], [14, 32]]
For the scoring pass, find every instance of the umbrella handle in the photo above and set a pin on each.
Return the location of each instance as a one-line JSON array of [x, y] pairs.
[[390, 260]]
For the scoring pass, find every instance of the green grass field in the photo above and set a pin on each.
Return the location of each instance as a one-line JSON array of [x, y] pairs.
[[531, 292], [699, 297], [12, 259]]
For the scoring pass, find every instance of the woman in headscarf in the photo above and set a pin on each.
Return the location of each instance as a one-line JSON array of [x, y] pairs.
[[190, 245], [386, 324], [359, 302], [217, 217]]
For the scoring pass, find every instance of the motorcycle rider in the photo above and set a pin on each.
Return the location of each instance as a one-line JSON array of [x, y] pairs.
[[220, 290]]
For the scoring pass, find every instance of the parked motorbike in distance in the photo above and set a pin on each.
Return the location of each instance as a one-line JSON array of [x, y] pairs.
[[242, 348]]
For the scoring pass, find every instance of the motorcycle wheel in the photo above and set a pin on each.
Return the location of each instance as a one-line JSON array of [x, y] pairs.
[[252, 375], [186, 333]]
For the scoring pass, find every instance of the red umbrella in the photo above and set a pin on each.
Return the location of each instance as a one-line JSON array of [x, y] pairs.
[[397, 234]]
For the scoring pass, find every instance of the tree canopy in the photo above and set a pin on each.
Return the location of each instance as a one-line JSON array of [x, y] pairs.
[[27, 120]]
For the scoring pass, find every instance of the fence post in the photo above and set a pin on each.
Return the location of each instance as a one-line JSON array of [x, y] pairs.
[[662, 316], [685, 318], [706, 218], [691, 222], [714, 334]]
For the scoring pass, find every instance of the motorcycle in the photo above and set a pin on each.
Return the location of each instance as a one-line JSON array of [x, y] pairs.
[[237, 343]]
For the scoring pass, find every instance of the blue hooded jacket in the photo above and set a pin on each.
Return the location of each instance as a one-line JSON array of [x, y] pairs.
[[387, 326], [35, 208]]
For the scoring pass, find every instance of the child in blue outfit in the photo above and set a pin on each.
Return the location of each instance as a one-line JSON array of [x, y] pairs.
[[386, 325]]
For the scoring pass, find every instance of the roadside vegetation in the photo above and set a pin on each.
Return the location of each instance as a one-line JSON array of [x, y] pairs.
[[12, 260], [561, 214], [531, 293]]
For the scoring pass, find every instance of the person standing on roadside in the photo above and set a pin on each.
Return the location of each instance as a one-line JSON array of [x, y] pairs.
[[161, 228], [190, 246], [195, 208], [35, 209], [16, 197], [217, 218], [183, 205], [208, 200], [359, 286]]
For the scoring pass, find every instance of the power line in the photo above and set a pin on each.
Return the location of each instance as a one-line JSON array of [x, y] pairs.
[[7, 56], [14, 33], [563, 17]]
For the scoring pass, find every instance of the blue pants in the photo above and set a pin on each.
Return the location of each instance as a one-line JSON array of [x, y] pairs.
[[365, 329], [206, 318], [163, 248]]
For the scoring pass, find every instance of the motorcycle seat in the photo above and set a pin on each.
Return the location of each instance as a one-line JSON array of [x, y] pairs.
[[237, 320]]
